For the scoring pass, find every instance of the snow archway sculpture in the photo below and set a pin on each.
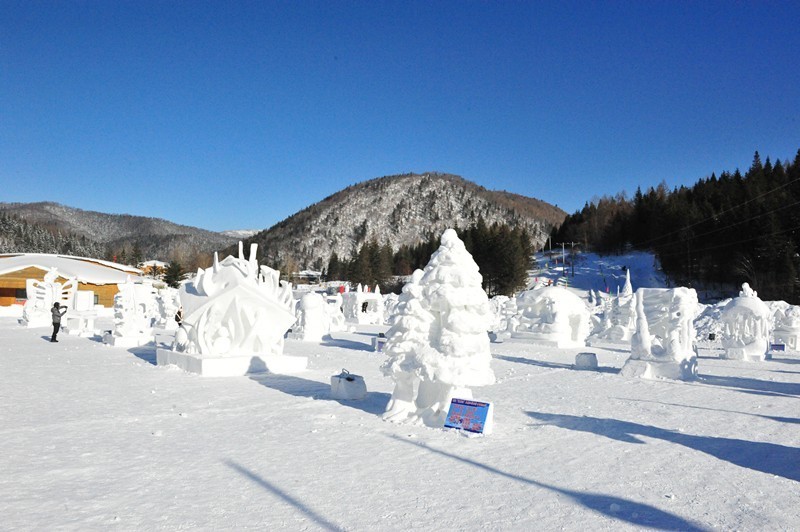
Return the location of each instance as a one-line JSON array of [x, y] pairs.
[[235, 318], [438, 346], [662, 345], [41, 296], [745, 326], [363, 308], [787, 328], [553, 315]]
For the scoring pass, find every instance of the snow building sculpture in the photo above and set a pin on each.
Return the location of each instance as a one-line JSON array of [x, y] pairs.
[[235, 315], [41, 296], [363, 307], [662, 346], [438, 346], [553, 315], [787, 328], [746, 326], [135, 314]]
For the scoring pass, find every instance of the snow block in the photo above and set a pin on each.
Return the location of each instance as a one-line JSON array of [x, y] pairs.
[[586, 361], [126, 341], [653, 369], [472, 416], [235, 366], [348, 387]]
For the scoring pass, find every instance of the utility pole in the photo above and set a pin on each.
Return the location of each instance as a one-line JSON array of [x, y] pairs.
[[571, 254]]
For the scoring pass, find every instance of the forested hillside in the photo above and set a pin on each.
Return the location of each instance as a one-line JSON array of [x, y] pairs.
[[729, 228], [19, 236]]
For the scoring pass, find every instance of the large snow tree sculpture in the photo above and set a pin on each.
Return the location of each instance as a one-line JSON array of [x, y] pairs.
[[439, 346]]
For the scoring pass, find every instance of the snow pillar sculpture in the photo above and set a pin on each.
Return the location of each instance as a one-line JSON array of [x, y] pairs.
[[41, 296], [439, 346]]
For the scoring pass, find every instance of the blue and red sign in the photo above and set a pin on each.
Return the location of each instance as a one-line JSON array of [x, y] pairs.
[[467, 415]]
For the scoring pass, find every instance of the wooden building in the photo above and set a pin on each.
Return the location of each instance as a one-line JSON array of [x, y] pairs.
[[99, 276]]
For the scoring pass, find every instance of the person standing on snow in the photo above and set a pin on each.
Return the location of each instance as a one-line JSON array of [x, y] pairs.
[[57, 313]]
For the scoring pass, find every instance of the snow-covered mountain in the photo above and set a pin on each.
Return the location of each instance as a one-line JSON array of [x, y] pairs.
[[155, 237], [398, 210]]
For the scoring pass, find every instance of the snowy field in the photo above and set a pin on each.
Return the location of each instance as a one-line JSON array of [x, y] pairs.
[[98, 438]]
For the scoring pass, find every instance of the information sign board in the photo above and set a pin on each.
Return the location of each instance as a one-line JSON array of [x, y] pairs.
[[472, 416]]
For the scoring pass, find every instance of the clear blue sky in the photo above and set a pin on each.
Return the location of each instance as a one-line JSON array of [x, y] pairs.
[[231, 115]]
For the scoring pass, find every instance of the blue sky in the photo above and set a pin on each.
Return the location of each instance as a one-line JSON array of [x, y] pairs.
[[229, 115]]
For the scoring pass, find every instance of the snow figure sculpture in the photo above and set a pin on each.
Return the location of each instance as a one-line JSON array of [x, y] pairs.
[[168, 302], [333, 310], [553, 315], [439, 345], [746, 324], [618, 320], [662, 345], [135, 314], [235, 315], [363, 307], [787, 328], [42, 295], [312, 318]]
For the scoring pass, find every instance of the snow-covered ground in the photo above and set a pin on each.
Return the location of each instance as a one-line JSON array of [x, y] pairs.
[[94, 437]]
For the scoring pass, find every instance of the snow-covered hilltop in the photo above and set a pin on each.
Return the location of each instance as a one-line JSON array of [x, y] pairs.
[[399, 210]]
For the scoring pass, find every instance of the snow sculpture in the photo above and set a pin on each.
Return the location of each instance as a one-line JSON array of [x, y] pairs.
[[168, 302], [617, 321], [312, 318], [363, 307], [235, 317], [135, 314], [505, 320], [333, 310], [662, 346], [787, 328], [746, 323], [439, 345], [390, 302], [553, 315], [42, 295]]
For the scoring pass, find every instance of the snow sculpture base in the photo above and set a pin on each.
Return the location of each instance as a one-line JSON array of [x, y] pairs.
[[654, 369], [127, 341], [750, 353], [231, 366], [586, 361]]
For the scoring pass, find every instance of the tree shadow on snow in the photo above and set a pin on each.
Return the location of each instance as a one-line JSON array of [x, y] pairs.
[[755, 386], [770, 458], [554, 365], [614, 507], [374, 403], [275, 490]]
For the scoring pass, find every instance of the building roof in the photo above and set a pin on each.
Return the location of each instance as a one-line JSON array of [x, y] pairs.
[[85, 270]]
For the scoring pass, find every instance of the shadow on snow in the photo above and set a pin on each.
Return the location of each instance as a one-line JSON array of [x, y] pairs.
[[608, 505], [375, 402], [770, 458], [553, 365], [275, 490]]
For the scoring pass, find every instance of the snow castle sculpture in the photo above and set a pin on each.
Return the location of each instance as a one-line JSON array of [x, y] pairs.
[[553, 315], [235, 317], [662, 345], [787, 328], [363, 307], [745, 330], [438, 346], [42, 295], [135, 314]]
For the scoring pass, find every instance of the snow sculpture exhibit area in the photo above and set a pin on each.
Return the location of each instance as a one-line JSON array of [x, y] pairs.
[[363, 308], [662, 346], [552, 315], [42, 295], [745, 327], [787, 328], [235, 315], [438, 346], [135, 314], [313, 319]]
